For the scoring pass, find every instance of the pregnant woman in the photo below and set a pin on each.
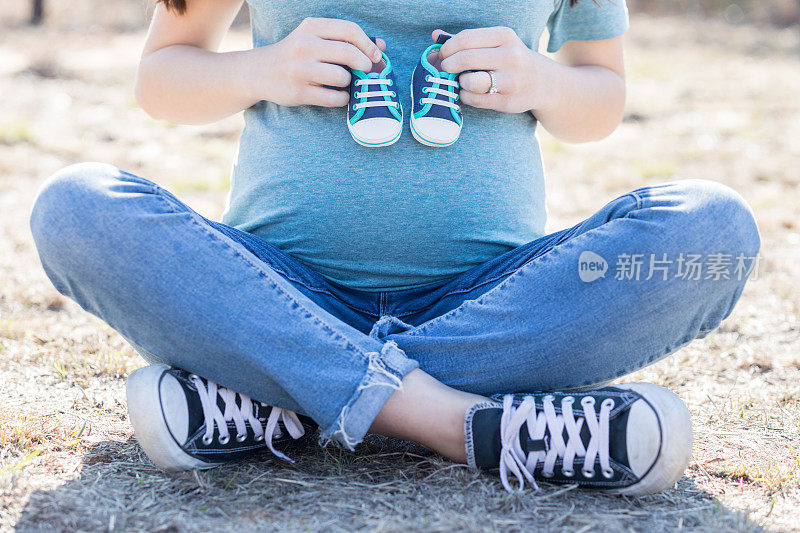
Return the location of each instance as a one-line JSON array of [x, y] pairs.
[[382, 264]]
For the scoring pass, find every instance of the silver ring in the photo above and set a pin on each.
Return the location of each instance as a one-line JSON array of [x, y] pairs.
[[493, 88]]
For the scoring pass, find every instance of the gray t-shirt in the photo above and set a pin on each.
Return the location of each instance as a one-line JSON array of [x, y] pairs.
[[404, 215]]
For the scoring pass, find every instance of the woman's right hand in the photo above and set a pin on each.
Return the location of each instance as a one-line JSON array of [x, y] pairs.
[[293, 71]]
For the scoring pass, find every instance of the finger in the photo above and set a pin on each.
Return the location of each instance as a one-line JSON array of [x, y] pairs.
[[347, 31], [477, 38], [342, 53], [476, 82], [320, 96], [436, 33], [482, 100], [473, 59], [381, 43], [331, 75]]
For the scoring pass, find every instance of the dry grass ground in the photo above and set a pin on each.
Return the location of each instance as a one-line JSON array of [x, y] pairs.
[[706, 100]]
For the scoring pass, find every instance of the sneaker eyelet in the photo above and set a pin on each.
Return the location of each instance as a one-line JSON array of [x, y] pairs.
[[428, 78], [569, 400], [394, 94], [241, 438], [608, 474], [587, 400], [421, 102], [193, 376], [207, 440], [548, 474], [259, 438], [223, 439], [568, 473], [354, 107], [391, 82], [608, 402], [587, 473], [425, 90]]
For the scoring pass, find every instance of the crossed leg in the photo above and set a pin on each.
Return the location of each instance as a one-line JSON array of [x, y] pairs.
[[180, 289]]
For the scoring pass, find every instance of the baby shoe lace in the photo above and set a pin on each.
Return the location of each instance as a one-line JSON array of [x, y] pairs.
[[512, 456], [240, 413], [444, 92], [383, 83]]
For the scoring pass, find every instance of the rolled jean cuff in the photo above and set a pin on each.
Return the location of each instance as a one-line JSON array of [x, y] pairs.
[[384, 375]]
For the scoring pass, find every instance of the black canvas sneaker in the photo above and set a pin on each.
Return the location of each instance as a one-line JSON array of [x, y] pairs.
[[629, 439], [184, 422]]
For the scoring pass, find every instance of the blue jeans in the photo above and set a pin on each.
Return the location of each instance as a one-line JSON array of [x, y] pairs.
[[565, 311]]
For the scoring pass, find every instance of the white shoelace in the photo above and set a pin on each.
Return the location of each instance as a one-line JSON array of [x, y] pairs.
[[213, 416], [443, 92], [368, 94], [512, 457]]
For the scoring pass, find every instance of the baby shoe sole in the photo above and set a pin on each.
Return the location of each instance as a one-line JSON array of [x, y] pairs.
[[426, 142], [374, 145]]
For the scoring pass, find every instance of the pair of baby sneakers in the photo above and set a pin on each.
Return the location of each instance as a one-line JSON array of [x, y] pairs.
[[375, 116]]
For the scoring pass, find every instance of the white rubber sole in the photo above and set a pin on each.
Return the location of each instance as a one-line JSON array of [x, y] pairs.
[[427, 142], [676, 443], [149, 426], [379, 144]]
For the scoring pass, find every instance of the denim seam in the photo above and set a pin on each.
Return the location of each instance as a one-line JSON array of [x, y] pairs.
[[322, 290], [462, 290], [494, 278], [313, 288], [456, 291], [317, 289], [375, 365], [510, 271], [328, 329], [478, 301], [638, 366], [642, 364], [497, 289], [638, 199], [514, 275]]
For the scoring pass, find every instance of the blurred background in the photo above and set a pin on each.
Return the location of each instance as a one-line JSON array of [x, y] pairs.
[[781, 13], [713, 92]]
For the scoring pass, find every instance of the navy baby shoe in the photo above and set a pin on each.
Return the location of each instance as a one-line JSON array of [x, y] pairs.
[[436, 117], [374, 116]]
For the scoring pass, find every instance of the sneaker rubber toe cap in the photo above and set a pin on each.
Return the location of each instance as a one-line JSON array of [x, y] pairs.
[[176, 413], [376, 130], [437, 131]]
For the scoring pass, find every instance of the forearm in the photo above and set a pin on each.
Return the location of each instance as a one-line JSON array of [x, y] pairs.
[[583, 103], [189, 85]]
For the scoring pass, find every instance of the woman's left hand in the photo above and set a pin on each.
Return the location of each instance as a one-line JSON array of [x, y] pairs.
[[517, 69]]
